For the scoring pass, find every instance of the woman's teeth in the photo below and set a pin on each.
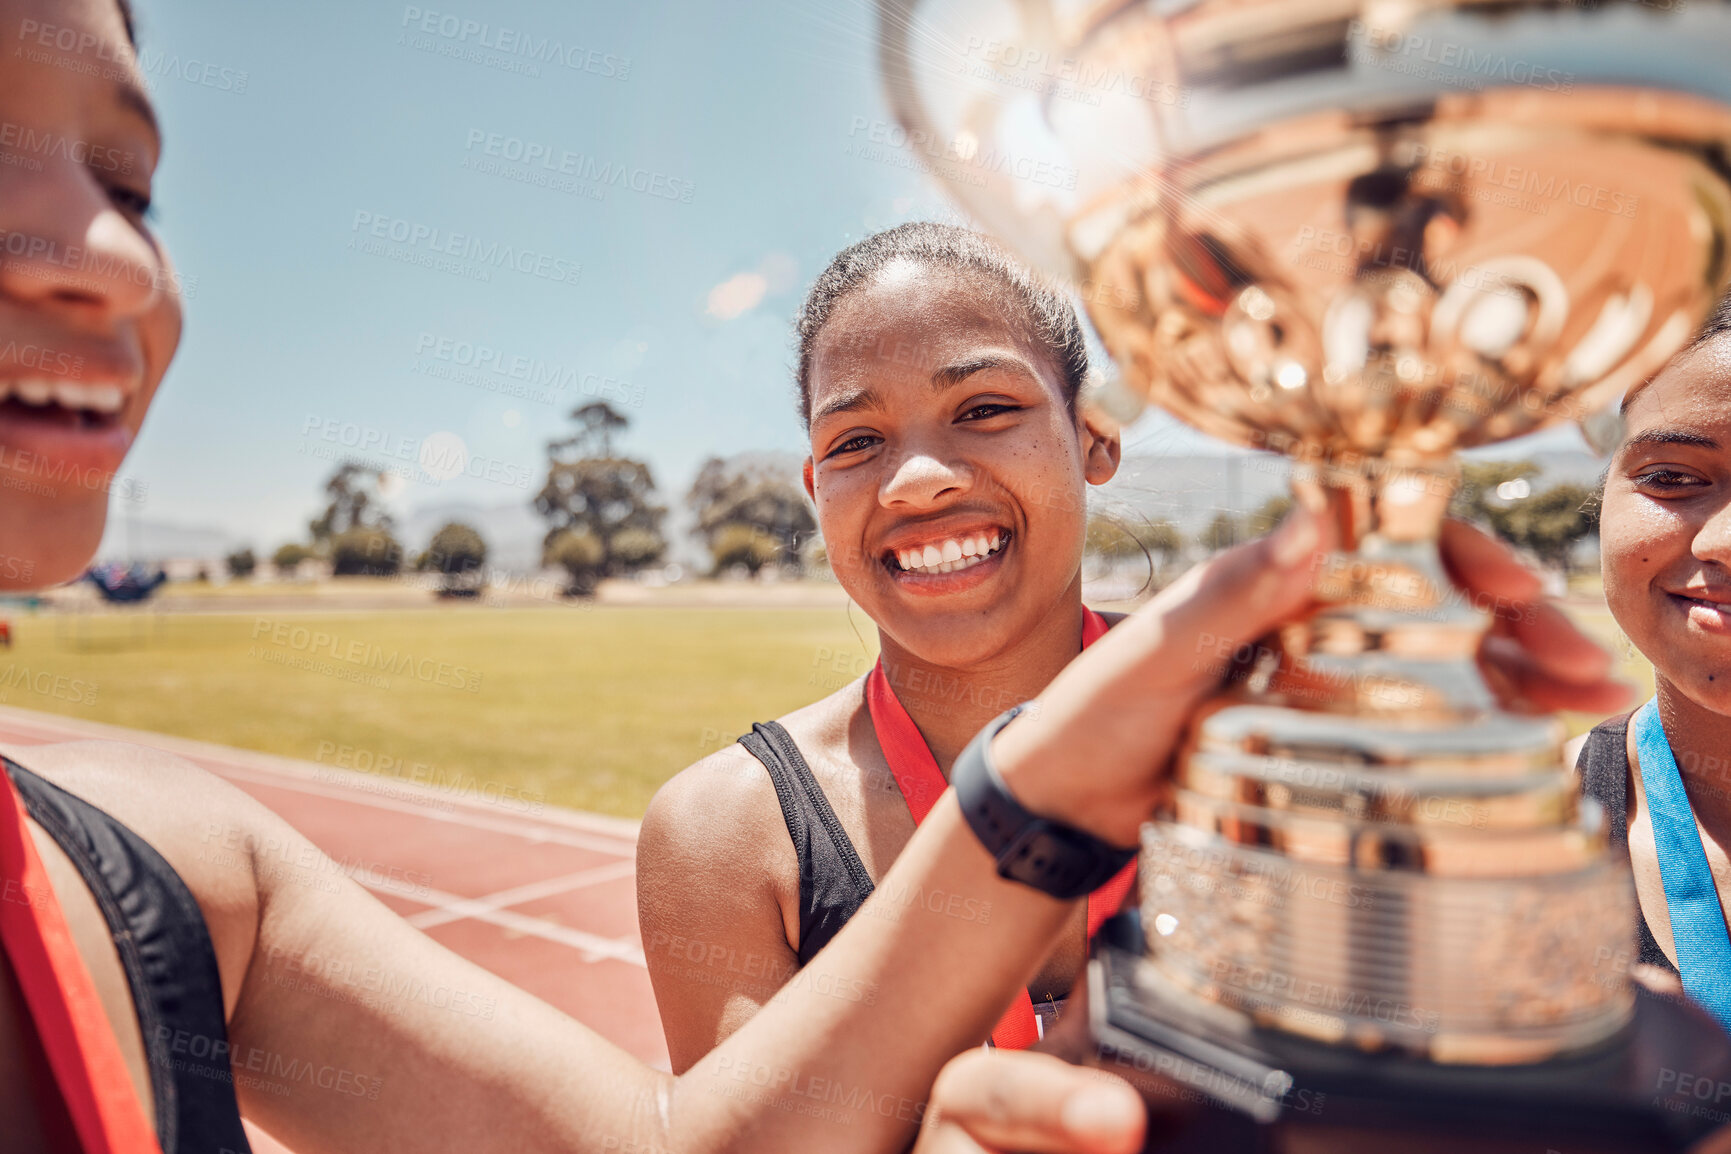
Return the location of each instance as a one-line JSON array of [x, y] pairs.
[[40, 391], [951, 555]]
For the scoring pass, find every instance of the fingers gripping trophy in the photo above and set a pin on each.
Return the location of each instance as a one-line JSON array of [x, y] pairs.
[[1365, 234]]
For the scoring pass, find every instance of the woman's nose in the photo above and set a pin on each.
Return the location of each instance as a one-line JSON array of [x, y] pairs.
[[1713, 540], [65, 247], [921, 478]]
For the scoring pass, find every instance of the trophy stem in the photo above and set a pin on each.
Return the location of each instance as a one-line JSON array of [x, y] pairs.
[[1395, 636], [1364, 848]]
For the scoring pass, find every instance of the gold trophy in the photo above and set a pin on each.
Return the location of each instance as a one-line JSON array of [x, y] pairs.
[[1365, 234]]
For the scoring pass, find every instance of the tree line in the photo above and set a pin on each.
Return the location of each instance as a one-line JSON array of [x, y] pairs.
[[605, 519], [602, 509]]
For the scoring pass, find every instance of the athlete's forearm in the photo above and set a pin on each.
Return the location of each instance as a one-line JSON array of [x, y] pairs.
[[842, 1059], [393, 1042], [356, 1033]]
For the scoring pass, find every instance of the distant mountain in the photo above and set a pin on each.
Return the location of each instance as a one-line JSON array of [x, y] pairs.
[[140, 539], [1190, 490]]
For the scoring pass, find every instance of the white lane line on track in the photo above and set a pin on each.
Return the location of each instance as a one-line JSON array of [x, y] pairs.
[[582, 879], [592, 946], [532, 832]]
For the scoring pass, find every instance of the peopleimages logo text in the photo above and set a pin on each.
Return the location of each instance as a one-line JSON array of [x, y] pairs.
[[1394, 48], [531, 153], [365, 654], [513, 42], [56, 146], [534, 371], [75, 266], [465, 247]]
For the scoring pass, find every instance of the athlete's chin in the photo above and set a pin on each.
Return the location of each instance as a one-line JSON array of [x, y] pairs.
[[1711, 696], [953, 637], [47, 542], [1707, 682], [1695, 660]]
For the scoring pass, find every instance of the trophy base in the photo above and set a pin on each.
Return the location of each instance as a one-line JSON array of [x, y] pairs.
[[1660, 1084]]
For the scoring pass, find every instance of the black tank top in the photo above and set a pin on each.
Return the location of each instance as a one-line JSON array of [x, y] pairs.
[[1604, 766], [833, 882], [169, 961]]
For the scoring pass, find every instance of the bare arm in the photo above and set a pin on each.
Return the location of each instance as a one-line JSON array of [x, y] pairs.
[[355, 1032], [710, 855]]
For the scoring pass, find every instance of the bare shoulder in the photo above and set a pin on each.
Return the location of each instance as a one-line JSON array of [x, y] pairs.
[[727, 801], [165, 799], [714, 858], [207, 830], [839, 745], [708, 808], [717, 899], [717, 825]]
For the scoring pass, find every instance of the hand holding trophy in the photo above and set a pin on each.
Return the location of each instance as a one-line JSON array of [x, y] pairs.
[[1366, 234]]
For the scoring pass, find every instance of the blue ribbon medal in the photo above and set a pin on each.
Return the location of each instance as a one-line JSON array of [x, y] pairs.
[[1697, 922]]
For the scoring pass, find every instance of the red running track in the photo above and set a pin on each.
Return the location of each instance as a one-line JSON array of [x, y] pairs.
[[544, 898]]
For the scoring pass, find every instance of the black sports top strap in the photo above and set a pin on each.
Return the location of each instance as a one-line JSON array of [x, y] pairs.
[[1605, 778], [833, 882], [169, 961]]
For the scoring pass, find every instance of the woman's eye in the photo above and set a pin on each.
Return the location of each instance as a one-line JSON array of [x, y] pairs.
[[131, 201], [1666, 479], [854, 444], [987, 409]]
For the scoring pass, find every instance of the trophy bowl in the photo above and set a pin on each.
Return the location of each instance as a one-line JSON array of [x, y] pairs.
[[1365, 234]]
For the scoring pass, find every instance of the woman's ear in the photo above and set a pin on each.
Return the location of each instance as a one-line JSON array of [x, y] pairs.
[[1101, 449], [810, 483]]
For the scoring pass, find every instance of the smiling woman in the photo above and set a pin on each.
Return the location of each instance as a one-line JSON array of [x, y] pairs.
[[1664, 773], [949, 462], [87, 300]]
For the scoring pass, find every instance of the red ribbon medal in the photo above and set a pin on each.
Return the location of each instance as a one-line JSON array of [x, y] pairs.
[[85, 1059], [922, 784]]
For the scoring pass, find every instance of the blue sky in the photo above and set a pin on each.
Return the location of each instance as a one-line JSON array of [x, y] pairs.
[[303, 137]]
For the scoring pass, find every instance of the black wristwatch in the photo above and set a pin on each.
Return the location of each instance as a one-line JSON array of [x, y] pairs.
[[1036, 851]]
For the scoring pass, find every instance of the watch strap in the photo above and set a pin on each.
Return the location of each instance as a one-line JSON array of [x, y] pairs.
[[1046, 854]]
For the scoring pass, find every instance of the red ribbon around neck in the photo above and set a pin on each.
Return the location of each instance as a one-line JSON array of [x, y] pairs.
[[82, 1053], [922, 784]]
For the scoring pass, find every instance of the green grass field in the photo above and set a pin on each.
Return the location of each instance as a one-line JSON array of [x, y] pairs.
[[592, 707], [589, 707]]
